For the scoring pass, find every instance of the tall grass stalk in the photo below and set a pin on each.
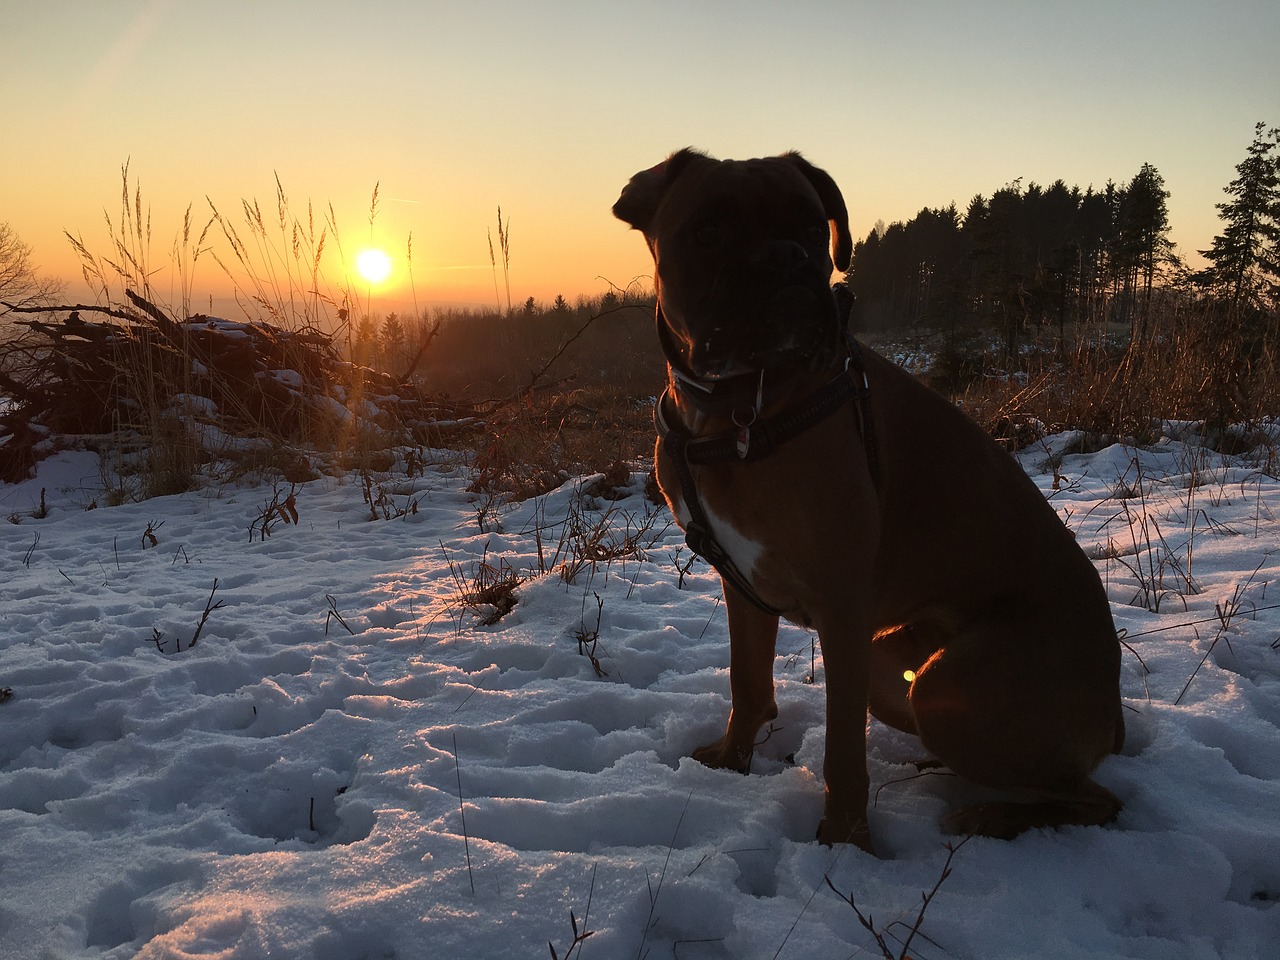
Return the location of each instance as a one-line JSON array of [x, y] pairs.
[[373, 215], [281, 264], [504, 244]]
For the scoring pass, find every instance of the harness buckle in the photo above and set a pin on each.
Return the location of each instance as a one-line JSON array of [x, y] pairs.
[[699, 539]]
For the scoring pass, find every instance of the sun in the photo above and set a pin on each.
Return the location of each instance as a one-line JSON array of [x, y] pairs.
[[374, 265]]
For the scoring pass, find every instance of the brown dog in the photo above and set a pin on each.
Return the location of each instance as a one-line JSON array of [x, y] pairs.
[[830, 487]]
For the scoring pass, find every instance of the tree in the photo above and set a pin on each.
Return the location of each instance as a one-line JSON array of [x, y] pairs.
[[366, 329], [366, 348], [904, 274], [1025, 257], [1094, 234], [392, 331], [393, 340], [19, 283], [997, 235], [1143, 244], [1055, 251], [1245, 258]]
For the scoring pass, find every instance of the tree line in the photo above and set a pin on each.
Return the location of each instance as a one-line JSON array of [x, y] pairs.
[[1030, 255], [606, 339]]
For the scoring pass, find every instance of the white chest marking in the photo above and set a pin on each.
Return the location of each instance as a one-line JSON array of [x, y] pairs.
[[742, 550]]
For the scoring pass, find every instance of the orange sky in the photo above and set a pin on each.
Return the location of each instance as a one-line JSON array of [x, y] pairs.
[[547, 108]]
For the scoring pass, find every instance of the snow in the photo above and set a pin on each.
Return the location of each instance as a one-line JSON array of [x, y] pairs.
[[289, 786]]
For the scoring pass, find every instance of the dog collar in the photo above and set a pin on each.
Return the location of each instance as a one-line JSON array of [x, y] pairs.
[[754, 441], [739, 397]]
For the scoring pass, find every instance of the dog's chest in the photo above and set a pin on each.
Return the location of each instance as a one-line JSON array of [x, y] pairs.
[[742, 549]]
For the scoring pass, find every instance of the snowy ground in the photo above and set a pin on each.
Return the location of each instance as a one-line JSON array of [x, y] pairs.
[[290, 789]]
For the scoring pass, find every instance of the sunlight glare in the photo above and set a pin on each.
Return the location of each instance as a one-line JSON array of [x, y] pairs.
[[373, 265]]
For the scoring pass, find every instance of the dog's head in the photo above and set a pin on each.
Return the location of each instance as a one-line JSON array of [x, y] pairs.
[[743, 252]]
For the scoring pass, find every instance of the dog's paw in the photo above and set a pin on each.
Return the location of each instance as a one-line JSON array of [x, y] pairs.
[[1091, 805], [723, 755], [833, 830], [1000, 821]]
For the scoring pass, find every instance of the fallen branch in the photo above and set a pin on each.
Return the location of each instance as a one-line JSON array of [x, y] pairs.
[[143, 372], [77, 308]]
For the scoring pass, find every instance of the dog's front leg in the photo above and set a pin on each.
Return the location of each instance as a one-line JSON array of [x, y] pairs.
[[846, 643], [752, 637]]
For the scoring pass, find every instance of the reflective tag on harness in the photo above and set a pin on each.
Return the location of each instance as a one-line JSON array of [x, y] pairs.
[[742, 436]]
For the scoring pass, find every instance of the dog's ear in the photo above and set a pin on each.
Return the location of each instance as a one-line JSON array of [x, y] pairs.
[[833, 204], [644, 192]]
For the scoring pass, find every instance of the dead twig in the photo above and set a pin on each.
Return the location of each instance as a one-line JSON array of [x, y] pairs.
[[157, 636], [925, 899], [333, 614], [579, 936], [466, 843]]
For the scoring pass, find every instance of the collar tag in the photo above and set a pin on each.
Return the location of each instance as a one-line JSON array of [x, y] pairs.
[[742, 436]]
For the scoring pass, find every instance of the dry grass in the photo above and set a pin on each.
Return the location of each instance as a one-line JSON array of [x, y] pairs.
[[487, 590], [553, 392], [600, 342], [532, 448], [1197, 364], [595, 532], [561, 383]]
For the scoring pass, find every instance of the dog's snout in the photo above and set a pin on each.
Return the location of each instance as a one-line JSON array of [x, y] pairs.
[[780, 256]]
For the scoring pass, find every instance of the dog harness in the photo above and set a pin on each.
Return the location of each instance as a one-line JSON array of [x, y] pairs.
[[753, 439]]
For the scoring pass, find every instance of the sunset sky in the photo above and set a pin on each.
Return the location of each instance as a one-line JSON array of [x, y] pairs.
[[546, 108]]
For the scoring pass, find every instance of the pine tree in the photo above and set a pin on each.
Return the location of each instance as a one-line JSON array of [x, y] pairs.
[[392, 331], [364, 346], [997, 245], [1245, 258], [392, 336], [1094, 234], [1143, 244]]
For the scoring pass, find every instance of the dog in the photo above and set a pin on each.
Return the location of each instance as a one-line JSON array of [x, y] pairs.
[[829, 486]]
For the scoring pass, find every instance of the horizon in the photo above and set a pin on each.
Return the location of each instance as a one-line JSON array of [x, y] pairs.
[[452, 113]]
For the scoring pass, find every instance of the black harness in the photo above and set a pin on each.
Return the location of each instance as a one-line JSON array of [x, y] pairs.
[[740, 398]]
